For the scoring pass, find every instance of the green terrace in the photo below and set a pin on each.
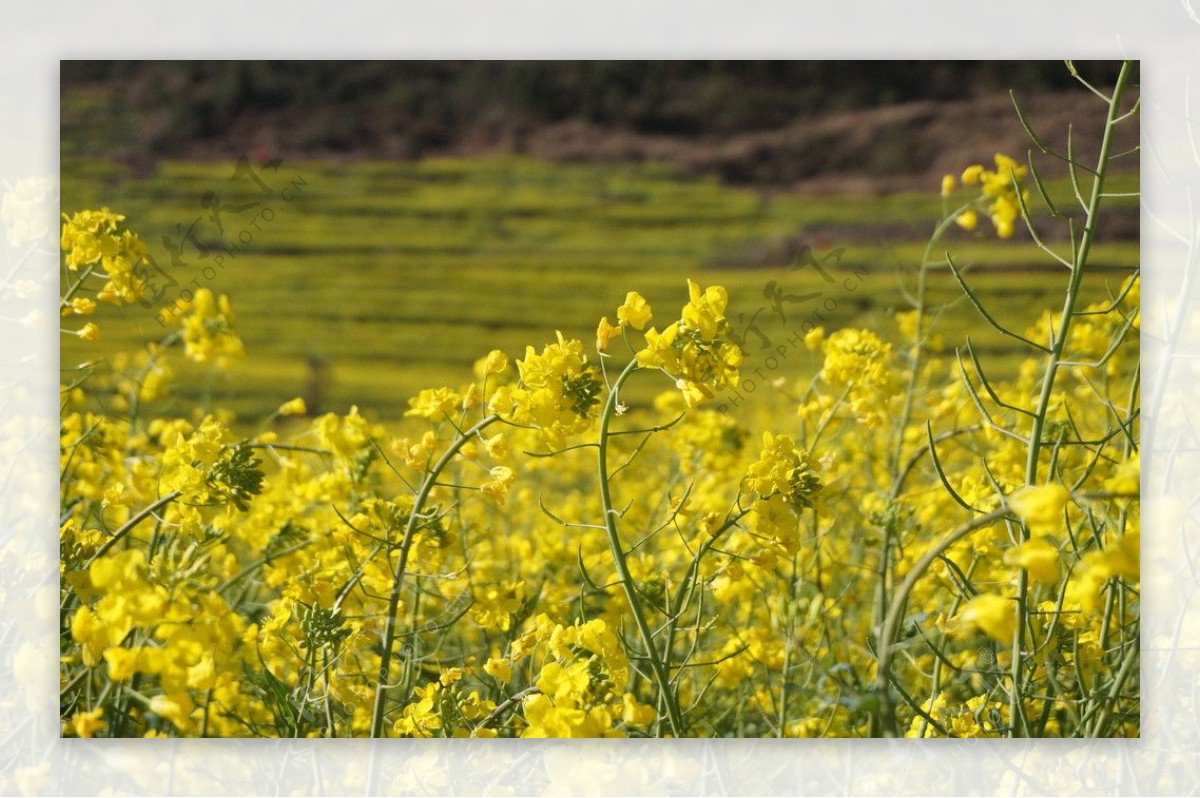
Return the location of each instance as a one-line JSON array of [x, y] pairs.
[[398, 276]]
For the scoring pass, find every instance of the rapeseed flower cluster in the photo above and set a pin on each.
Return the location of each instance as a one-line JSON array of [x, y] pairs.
[[695, 350], [222, 582], [1001, 194], [207, 331], [99, 241], [859, 363], [559, 391]]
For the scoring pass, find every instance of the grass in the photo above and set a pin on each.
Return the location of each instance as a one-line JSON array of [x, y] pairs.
[[399, 275]]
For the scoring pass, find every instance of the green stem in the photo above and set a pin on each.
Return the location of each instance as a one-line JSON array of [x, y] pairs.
[[788, 644], [891, 623], [1127, 665], [884, 721], [145, 513], [879, 724], [914, 356], [881, 608], [389, 634], [1053, 361], [683, 595], [74, 289], [657, 665]]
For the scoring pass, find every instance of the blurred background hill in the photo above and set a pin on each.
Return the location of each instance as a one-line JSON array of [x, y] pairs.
[[820, 125]]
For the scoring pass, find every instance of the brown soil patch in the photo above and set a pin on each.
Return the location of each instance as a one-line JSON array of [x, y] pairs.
[[873, 151]]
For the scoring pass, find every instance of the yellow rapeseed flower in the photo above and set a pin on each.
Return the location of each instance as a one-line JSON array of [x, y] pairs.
[[498, 486], [495, 362], [636, 714], [605, 332], [999, 190], [86, 724], [293, 407], [994, 615], [498, 669], [435, 404], [695, 350], [1126, 478], [635, 312], [82, 306], [967, 220], [1040, 506], [208, 335], [1038, 557]]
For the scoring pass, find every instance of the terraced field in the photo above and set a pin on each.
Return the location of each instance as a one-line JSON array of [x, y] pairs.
[[390, 277]]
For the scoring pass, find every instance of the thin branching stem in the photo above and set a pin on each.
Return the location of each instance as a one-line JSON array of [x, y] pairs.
[[658, 667], [414, 516]]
